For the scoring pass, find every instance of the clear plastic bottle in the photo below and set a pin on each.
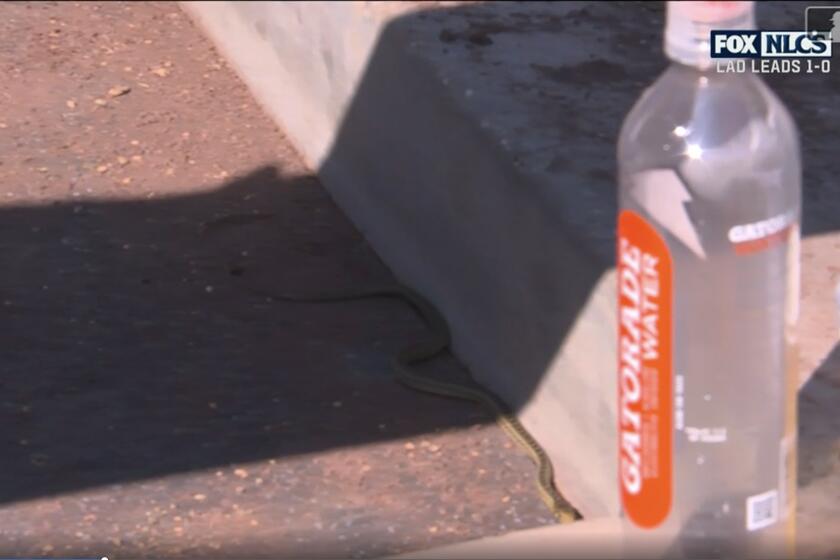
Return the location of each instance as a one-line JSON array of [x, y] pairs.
[[708, 266]]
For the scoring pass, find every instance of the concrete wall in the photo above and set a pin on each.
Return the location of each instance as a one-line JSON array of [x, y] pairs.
[[473, 145], [446, 206]]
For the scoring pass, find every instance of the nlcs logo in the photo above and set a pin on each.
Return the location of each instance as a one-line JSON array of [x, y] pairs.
[[768, 44]]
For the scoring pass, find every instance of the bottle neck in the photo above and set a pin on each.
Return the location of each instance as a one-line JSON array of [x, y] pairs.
[[689, 25], [695, 56]]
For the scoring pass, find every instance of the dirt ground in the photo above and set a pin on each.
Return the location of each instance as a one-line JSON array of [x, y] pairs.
[[152, 404]]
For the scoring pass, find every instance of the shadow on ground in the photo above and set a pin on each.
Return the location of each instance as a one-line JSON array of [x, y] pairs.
[[819, 428], [135, 346]]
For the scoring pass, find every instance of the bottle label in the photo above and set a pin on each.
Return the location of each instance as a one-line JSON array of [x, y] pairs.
[[645, 422]]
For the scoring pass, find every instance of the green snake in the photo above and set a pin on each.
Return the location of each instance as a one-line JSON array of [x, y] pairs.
[[426, 350]]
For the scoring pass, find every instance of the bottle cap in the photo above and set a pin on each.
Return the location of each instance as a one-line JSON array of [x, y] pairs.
[[688, 25]]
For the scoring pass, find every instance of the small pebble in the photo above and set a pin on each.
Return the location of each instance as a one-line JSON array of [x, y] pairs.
[[117, 91]]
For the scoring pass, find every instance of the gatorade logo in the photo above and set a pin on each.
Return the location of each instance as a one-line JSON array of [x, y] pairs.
[[750, 238], [644, 364]]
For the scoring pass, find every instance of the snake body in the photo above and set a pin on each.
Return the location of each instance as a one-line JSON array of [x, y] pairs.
[[431, 347]]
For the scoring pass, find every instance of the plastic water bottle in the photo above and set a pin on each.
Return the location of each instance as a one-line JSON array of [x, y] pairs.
[[708, 269]]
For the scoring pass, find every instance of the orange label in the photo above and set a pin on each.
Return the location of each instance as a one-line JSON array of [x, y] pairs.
[[645, 407]]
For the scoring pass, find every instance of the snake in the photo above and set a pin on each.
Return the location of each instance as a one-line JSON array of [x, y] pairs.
[[425, 350]]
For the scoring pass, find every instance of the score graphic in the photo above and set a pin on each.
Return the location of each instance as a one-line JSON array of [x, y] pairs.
[[771, 52]]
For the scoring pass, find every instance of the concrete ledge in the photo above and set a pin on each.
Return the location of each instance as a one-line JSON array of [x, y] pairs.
[[473, 145], [417, 153]]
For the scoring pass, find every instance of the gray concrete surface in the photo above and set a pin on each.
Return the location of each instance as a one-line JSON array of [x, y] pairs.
[[474, 147]]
